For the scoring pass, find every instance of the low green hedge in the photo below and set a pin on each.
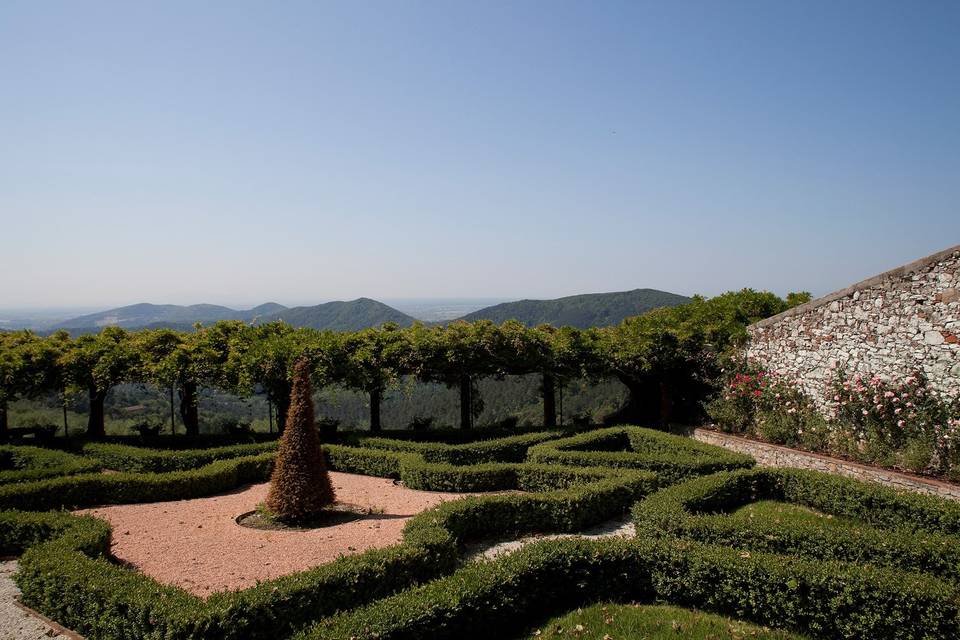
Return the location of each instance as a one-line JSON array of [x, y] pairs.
[[27, 464], [906, 531], [121, 457], [122, 488], [72, 579], [499, 599], [222, 475], [672, 457], [508, 449], [448, 435], [77, 584]]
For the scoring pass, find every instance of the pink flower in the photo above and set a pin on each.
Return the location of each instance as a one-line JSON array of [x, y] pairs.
[[900, 423]]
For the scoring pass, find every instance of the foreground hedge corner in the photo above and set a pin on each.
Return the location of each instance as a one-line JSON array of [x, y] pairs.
[[500, 599]]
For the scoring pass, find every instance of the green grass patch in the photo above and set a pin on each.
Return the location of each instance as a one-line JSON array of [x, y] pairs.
[[673, 458], [650, 622], [785, 513]]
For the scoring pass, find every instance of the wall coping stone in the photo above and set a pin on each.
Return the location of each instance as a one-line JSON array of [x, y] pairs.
[[898, 272], [839, 466]]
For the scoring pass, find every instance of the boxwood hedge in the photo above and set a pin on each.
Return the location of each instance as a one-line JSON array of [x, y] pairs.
[[70, 578], [414, 589], [508, 449], [27, 464], [498, 599], [907, 531], [122, 457], [672, 457]]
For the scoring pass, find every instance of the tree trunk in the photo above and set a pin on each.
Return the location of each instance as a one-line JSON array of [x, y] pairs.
[[466, 402], [548, 389], [189, 412], [173, 419], [375, 396], [282, 404], [666, 405], [95, 424]]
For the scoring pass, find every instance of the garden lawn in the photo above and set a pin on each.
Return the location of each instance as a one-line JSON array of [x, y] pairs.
[[650, 622], [791, 514]]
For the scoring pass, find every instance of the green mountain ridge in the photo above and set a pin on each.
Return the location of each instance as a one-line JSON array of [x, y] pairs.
[[582, 311], [341, 316]]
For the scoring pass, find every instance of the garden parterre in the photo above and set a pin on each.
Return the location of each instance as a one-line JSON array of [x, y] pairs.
[[416, 587]]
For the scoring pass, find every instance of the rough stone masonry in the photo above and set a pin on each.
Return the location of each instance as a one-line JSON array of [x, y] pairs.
[[891, 325]]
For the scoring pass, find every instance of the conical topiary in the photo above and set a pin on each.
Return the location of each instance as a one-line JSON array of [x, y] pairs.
[[300, 486]]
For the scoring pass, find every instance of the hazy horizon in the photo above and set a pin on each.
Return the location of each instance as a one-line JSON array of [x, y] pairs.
[[243, 152]]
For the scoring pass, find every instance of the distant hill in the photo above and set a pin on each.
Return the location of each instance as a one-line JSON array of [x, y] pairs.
[[587, 310], [141, 315], [341, 316]]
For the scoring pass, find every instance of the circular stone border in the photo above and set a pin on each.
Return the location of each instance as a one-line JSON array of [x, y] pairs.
[[332, 516]]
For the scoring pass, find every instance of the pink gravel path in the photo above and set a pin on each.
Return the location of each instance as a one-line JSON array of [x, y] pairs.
[[197, 545]]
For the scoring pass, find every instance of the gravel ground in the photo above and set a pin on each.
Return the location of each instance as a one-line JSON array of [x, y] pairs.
[[15, 623], [197, 545], [490, 550]]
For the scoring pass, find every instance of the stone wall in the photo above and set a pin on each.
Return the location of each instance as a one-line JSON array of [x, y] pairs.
[[771, 455], [891, 325]]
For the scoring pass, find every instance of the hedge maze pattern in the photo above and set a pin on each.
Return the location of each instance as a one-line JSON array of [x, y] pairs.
[[885, 566]]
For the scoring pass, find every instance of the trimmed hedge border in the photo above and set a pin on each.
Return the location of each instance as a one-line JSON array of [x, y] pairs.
[[35, 463], [509, 449], [907, 531], [672, 457], [122, 457], [414, 590], [222, 475], [88, 490], [70, 578], [499, 599]]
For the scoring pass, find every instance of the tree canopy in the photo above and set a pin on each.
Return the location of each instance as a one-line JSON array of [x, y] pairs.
[[668, 358]]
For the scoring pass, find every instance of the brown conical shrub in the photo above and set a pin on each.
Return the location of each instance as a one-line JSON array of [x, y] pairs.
[[300, 486]]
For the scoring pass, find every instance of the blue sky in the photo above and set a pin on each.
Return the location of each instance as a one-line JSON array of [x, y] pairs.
[[236, 152]]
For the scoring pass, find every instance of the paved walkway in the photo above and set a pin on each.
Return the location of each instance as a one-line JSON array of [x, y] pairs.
[[490, 550], [15, 623]]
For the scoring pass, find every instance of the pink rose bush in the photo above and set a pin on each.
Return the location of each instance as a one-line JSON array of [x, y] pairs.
[[896, 423]]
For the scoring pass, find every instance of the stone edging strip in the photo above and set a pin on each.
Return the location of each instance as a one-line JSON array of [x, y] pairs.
[[773, 455], [72, 635]]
